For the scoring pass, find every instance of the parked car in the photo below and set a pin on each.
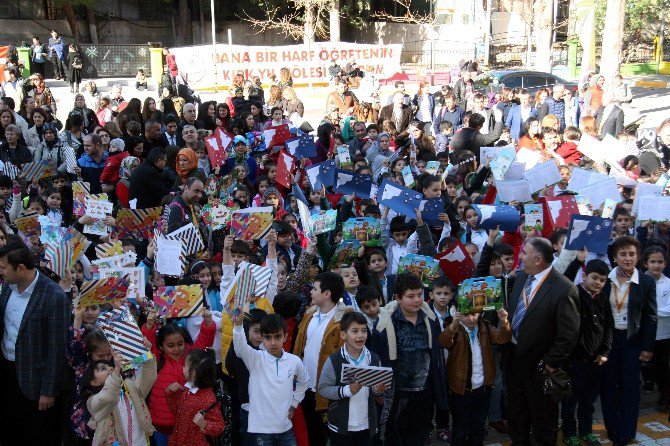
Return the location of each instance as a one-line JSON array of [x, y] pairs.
[[495, 80]]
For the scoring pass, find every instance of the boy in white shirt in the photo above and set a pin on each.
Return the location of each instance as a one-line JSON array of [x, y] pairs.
[[272, 372]]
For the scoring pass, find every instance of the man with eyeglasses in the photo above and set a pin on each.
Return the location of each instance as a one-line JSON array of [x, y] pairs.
[[189, 114], [91, 164]]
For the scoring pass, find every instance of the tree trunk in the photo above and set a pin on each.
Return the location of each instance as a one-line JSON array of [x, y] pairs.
[[92, 26], [334, 21], [184, 30], [610, 60], [544, 31], [309, 23], [72, 21], [203, 31]]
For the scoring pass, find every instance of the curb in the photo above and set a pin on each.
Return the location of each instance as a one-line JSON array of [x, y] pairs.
[[651, 84]]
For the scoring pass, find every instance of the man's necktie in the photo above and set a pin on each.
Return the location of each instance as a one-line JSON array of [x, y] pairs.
[[522, 306]]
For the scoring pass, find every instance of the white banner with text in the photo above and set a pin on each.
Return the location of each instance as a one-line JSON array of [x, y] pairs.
[[307, 63]]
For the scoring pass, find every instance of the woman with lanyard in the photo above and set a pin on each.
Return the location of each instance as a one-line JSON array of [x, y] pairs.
[[632, 298]]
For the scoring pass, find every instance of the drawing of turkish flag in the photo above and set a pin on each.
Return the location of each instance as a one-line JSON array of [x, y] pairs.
[[455, 262], [285, 166], [276, 136], [217, 147], [560, 209]]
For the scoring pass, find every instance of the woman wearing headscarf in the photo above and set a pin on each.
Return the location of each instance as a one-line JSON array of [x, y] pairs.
[[88, 115], [187, 166], [128, 164]]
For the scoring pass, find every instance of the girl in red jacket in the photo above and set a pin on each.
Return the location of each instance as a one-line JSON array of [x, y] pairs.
[[194, 405], [170, 344]]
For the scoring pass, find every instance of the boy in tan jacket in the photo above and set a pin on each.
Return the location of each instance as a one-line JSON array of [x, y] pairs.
[[471, 372]]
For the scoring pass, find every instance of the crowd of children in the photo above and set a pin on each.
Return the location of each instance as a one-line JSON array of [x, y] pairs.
[[272, 370]]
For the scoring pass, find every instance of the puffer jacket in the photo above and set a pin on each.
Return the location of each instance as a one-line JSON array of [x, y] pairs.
[[227, 329], [171, 371]]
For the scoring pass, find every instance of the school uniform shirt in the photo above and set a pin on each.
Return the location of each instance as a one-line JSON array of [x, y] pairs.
[[56, 216], [129, 418], [271, 386], [358, 403], [350, 300], [315, 330], [663, 304], [477, 376], [620, 292]]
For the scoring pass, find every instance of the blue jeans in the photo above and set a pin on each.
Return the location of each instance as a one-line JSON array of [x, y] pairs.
[[285, 439]]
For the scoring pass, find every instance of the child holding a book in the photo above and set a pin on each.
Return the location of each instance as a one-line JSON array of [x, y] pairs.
[[471, 372], [352, 414]]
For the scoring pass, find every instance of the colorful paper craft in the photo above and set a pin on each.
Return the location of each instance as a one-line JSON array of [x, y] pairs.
[[136, 223], [101, 291], [103, 250], [124, 336], [251, 223], [179, 301], [216, 214]]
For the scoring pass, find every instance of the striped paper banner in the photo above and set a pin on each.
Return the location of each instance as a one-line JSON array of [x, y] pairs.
[[367, 375], [32, 171], [11, 170], [191, 240], [124, 336], [104, 250], [246, 285], [262, 276], [59, 257]]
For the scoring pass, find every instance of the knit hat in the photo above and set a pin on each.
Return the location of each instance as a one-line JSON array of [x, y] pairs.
[[117, 145], [271, 191]]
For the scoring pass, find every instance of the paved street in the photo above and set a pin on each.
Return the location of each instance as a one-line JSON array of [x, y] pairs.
[[653, 427]]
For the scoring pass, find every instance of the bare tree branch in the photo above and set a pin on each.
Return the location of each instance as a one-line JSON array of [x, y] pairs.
[[287, 25], [408, 17], [292, 25]]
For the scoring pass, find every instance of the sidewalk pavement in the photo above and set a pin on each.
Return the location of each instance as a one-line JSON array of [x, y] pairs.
[[653, 427]]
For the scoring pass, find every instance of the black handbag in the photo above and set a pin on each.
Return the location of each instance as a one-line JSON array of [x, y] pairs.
[[557, 385]]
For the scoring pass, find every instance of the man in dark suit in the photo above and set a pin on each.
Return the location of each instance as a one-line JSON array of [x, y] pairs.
[[544, 312], [399, 113], [34, 318], [169, 137], [609, 117]]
